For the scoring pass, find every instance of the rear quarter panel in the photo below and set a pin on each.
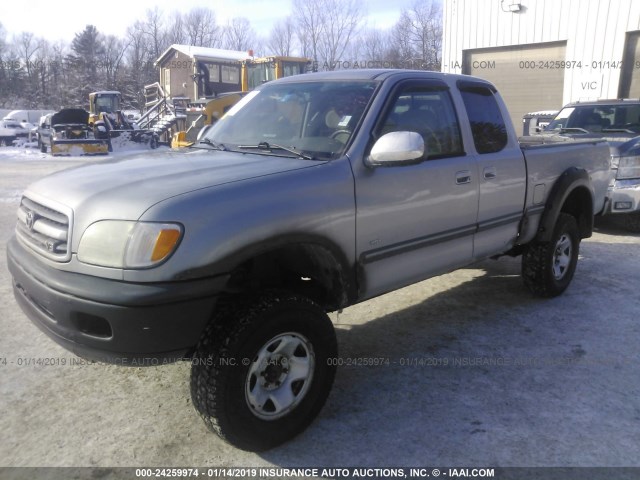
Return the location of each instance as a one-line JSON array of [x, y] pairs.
[[546, 162]]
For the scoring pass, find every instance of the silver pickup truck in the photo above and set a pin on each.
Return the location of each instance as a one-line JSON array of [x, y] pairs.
[[313, 193]]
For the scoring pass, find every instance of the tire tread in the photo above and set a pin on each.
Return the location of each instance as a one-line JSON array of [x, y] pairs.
[[537, 258], [231, 320]]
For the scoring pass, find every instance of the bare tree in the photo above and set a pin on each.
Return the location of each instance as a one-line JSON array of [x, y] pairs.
[[58, 76], [309, 18], [114, 50], [375, 45], [239, 35], [282, 37], [175, 31], [27, 46], [42, 65], [139, 64], [36, 72], [139, 47], [304, 42], [417, 37], [201, 29], [153, 27], [342, 18], [3, 36], [328, 26]]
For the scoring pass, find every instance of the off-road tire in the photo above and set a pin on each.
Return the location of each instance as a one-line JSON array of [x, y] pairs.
[[226, 356], [548, 267], [632, 222]]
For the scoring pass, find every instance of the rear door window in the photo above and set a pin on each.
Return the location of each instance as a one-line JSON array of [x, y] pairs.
[[487, 124]]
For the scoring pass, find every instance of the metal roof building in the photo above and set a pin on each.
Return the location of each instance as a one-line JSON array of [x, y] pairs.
[[542, 54]]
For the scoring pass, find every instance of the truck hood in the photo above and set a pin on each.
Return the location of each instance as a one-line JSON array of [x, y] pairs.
[[620, 143], [70, 116], [625, 147], [125, 188]]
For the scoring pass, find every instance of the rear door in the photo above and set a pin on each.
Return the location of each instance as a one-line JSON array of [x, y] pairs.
[[501, 168], [415, 221]]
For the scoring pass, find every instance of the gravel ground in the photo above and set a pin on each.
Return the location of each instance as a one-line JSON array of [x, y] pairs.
[[476, 372]]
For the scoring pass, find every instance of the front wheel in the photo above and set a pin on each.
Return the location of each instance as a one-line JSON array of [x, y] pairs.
[[548, 267], [262, 370]]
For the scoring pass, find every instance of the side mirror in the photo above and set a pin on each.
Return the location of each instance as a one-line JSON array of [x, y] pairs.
[[397, 148]]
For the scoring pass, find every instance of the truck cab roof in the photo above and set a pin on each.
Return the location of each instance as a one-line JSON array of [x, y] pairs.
[[377, 74]]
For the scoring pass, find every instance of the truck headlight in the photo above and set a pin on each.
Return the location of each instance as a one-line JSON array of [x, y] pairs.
[[126, 244], [628, 167]]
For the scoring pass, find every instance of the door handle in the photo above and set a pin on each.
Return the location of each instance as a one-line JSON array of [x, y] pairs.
[[490, 173], [463, 177]]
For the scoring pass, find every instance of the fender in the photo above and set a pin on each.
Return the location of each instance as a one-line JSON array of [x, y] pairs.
[[570, 180], [326, 253]]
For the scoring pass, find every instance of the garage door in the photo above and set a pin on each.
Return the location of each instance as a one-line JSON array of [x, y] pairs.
[[630, 75], [527, 76]]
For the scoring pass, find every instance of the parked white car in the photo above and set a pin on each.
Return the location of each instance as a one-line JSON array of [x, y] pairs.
[[11, 130]]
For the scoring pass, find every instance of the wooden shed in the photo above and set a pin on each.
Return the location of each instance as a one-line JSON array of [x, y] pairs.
[[199, 72]]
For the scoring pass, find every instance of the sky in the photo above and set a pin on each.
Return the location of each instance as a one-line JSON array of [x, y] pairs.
[[62, 19]]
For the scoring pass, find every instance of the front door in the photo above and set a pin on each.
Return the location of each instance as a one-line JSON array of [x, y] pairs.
[[415, 221]]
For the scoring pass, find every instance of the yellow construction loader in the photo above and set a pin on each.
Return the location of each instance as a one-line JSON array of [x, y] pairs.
[[261, 70], [109, 122], [201, 114]]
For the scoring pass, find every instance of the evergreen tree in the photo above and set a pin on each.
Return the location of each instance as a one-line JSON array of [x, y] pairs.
[[86, 64]]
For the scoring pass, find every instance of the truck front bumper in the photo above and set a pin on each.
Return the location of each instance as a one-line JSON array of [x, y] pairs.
[[624, 196], [112, 321]]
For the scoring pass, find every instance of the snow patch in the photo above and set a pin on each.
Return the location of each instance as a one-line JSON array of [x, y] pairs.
[[13, 154], [10, 196]]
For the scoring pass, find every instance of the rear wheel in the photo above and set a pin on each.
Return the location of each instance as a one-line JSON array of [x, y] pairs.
[[548, 267], [262, 370]]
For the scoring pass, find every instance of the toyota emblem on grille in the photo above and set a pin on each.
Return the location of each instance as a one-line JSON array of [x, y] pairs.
[[31, 218]]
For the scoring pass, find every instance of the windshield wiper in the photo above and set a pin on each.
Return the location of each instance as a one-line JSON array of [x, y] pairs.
[[272, 146], [574, 130], [217, 146]]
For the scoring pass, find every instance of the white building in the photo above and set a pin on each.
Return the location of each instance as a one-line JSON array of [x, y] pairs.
[[542, 54]]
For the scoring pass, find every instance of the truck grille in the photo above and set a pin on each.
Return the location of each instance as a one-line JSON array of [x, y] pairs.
[[44, 229]]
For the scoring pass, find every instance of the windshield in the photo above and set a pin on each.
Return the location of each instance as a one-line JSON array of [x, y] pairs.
[[259, 73], [107, 103], [599, 118], [315, 119]]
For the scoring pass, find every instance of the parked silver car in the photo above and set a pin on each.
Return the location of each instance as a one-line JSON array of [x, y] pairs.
[[618, 122]]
